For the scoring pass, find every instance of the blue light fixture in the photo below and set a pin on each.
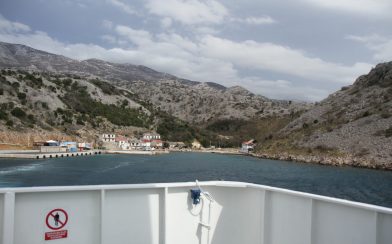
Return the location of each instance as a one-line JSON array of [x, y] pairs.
[[195, 195]]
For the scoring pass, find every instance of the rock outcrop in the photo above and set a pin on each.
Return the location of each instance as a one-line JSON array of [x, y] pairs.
[[355, 122]]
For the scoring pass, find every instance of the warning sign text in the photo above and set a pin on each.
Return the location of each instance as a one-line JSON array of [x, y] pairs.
[[53, 235]]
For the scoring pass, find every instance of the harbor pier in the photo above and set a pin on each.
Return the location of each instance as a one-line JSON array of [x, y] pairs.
[[35, 154]]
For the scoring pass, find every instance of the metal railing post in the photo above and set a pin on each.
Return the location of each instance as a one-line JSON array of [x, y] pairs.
[[102, 216], [8, 218]]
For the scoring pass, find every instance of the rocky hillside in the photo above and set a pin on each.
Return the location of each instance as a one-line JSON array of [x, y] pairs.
[[187, 100], [354, 123], [47, 93], [68, 105]]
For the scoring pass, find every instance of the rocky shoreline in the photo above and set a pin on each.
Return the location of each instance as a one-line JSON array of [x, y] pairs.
[[325, 160], [342, 161]]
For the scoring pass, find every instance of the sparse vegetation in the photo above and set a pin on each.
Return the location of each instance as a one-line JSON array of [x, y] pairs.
[[9, 123], [15, 85], [173, 129], [388, 132], [106, 87], [344, 88], [366, 114], [3, 114], [208, 122], [18, 112], [44, 105], [21, 96], [31, 118], [32, 81], [80, 101], [386, 115]]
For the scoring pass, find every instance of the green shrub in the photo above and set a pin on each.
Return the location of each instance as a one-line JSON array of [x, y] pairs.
[[106, 87], [9, 123], [31, 118], [67, 82], [32, 81], [80, 101], [388, 132], [21, 96], [225, 125], [171, 128], [15, 85], [3, 115], [124, 103], [10, 105], [18, 112], [44, 105], [323, 148], [366, 114], [79, 121], [52, 88], [386, 115]]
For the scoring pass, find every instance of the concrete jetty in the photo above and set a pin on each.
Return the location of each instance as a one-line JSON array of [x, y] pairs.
[[136, 152], [31, 154]]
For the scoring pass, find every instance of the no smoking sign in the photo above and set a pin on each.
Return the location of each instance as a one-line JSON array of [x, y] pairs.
[[56, 220]]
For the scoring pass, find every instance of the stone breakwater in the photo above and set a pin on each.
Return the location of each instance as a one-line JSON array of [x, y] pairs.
[[326, 160]]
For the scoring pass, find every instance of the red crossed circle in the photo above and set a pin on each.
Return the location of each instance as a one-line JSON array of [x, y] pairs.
[[61, 222]]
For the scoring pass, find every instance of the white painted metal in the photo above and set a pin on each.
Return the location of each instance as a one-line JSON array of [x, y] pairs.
[[8, 218], [164, 214]]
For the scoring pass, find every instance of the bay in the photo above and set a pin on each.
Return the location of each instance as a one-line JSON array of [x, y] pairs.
[[362, 185]]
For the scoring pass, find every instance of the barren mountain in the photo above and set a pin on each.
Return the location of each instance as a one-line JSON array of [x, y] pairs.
[[188, 100], [48, 93], [40, 103], [355, 122]]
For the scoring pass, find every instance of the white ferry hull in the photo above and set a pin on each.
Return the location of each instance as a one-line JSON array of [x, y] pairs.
[[242, 213]]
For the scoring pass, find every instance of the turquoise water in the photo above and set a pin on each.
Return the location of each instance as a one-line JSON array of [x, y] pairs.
[[363, 185]]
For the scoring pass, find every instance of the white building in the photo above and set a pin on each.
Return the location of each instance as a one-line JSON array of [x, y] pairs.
[[177, 145], [196, 144], [135, 143], [151, 136], [123, 143], [151, 141], [108, 137], [248, 146], [146, 144]]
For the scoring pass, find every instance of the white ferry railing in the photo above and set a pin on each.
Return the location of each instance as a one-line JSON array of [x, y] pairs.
[[164, 214]]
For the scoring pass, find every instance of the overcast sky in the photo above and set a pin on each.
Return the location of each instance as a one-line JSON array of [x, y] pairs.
[[285, 49]]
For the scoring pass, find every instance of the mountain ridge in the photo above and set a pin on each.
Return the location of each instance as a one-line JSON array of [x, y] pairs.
[[163, 90], [352, 126], [85, 98], [354, 123]]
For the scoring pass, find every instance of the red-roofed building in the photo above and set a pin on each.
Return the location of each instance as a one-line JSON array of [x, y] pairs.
[[122, 142], [248, 146], [151, 140]]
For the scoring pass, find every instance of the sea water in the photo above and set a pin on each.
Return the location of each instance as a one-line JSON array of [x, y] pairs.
[[362, 185]]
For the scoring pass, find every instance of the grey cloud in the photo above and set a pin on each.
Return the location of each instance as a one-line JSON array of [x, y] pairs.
[[189, 12], [279, 49], [8, 26], [207, 59], [263, 20], [380, 45], [373, 8], [123, 6]]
